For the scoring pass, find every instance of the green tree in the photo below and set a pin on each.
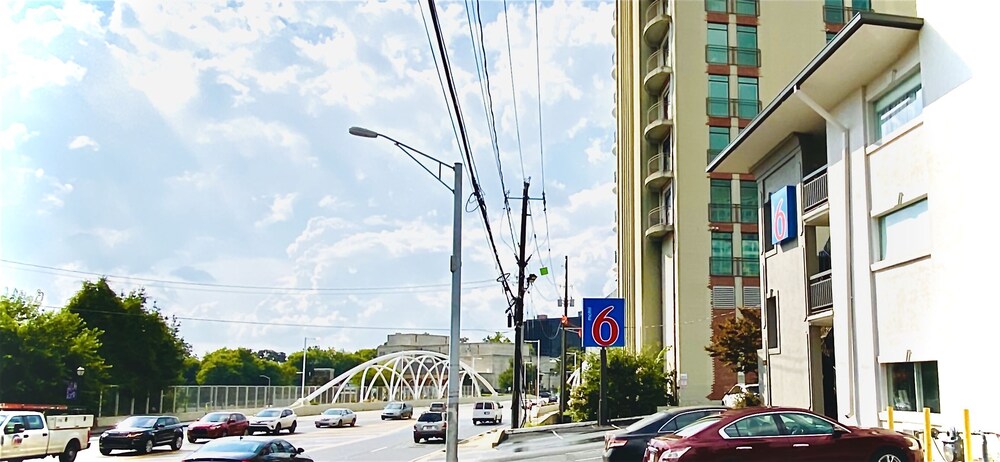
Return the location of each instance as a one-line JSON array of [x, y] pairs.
[[41, 351], [636, 385], [506, 378], [271, 355], [737, 341], [142, 347], [497, 337], [242, 366], [338, 360], [191, 367]]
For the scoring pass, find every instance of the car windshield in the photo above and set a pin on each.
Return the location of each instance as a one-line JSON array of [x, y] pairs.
[[232, 445], [269, 413], [215, 417], [395, 406], [138, 422], [697, 426], [430, 417], [642, 423], [333, 412]]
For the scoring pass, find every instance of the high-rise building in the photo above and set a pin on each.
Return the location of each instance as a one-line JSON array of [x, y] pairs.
[[690, 74]]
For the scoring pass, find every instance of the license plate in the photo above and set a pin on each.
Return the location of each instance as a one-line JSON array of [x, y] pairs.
[[429, 427], [486, 413]]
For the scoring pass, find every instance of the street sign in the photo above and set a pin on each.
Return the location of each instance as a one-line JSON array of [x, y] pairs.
[[784, 218], [603, 322], [71, 390]]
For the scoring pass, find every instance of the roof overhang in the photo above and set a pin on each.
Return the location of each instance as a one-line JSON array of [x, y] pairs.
[[865, 47]]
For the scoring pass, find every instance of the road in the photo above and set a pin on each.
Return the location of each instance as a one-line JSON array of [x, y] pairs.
[[372, 439]]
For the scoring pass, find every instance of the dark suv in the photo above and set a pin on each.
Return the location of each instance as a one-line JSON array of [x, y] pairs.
[[142, 433]]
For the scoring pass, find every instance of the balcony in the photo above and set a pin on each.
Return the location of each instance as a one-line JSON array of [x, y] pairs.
[[721, 54], [726, 107], [730, 266], [657, 71], [657, 23], [814, 189], [658, 171], [840, 14], [820, 292], [740, 7], [732, 213], [657, 123], [659, 224]]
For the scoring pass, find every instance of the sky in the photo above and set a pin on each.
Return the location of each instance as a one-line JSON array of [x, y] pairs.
[[200, 150]]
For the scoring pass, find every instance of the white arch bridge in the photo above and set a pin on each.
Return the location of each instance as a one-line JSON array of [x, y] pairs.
[[411, 374]]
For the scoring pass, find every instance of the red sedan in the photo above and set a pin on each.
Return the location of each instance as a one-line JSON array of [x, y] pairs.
[[769, 434], [217, 425]]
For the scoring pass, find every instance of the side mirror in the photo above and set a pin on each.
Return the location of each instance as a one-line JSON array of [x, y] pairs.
[[838, 432], [299, 450], [160, 425], [500, 406], [17, 428]]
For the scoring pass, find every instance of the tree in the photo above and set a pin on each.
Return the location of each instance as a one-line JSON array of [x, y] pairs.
[[636, 385], [339, 360], [506, 378], [271, 355], [497, 337], [737, 341], [41, 351], [241, 366], [143, 348]]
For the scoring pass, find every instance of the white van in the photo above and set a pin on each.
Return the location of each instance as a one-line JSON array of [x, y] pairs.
[[487, 411]]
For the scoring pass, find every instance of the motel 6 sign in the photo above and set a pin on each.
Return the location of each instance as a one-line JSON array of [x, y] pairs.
[[784, 218], [603, 322]]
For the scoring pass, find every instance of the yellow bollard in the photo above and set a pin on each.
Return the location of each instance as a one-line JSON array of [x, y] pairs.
[[892, 425], [928, 439], [968, 438]]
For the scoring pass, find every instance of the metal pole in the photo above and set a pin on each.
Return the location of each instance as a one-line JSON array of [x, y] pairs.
[[516, 396], [305, 341], [562, 361], [538, 370], [451, 434], [602, 407]]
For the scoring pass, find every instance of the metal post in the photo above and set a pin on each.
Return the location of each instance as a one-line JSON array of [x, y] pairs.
[[305, 342], [602, 407], [516, 397], [451, 434], [562, 361]]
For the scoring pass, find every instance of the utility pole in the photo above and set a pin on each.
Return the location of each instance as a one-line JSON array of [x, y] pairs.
[[515, 410], [562, 362]]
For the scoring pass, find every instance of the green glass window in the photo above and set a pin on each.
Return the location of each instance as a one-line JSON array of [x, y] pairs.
[[748, 202], [746, 46], [716, 6], [718, 96], [718, 138], [830, 36], [722, 254], [833, 11], [900, 105], [750, 266], [721, 201], [747, 7], [717, 51], [861, 5], [748, 97]]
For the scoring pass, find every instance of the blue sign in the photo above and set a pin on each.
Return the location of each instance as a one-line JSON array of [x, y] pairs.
[[784, 215], [71, 390], [603, 322]]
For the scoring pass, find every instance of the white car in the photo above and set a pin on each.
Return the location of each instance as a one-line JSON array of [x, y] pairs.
[[336, 417], [487, 411], [273, 420], [732, 396]]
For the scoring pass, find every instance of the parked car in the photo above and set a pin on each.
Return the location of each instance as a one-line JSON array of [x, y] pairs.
[[630, 442], [430, 425], [248, 449], [438, 407], [274, 420], [397, 410], [487, 411], [142, 433], [336, 417], [732, 396], [217, 425], [30, 435], [776, 433]]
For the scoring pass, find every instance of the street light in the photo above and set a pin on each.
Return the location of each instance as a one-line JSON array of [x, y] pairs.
[[305, 342], [80, 370], [538, 363], [266, 402], [451, 438]]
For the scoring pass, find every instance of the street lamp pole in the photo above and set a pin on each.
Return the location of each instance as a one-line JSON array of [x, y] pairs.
[[455, 264], [266, 403], [538, 364], [305, 343]]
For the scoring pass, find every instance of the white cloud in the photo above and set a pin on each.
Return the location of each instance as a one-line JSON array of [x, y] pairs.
[[315, 228], [596, 152], [281, 210], [111, 237], [242, 91], [14, 135], [83, 141], [195, 180], [249, 132]]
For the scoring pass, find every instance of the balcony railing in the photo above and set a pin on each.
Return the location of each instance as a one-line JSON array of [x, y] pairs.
[[726, 107], [657, 8], [840, 14], [659, 163], [820, 292], [734, 266], [656, 112], [740, 7], [732, 213], [814, 189], [721, 54], [657, 59]]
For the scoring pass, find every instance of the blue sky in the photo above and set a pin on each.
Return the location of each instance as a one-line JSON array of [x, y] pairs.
[[207, 143]]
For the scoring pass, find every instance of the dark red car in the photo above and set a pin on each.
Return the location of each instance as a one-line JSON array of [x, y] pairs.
[[217, 425], [770, 434]]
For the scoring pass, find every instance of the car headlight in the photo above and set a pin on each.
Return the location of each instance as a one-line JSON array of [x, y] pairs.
[[135, 434]]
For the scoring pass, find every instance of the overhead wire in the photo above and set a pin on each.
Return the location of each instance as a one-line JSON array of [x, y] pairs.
[[541, 139], [513, 92]]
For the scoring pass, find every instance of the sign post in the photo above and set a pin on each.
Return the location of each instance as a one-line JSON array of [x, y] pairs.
[[603, 327]]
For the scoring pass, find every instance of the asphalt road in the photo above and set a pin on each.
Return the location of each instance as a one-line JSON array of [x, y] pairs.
[[372, 439]]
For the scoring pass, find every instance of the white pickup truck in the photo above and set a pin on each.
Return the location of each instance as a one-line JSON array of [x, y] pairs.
[[31, 435]]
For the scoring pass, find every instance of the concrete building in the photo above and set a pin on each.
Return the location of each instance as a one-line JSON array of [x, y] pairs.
[[876, 168], [488, 359], [690, 74]]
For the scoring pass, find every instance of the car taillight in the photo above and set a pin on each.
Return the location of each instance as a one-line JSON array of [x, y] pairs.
[[445, 425], [616, 442], [674, 454]]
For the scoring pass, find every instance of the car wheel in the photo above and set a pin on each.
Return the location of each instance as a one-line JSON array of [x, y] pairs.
[[192, 439], [887, 455], [416, 439], [69, 454], [148, 448], [292, 428], [105, 451], [179, 441], [354, 421], [317, 425], [475, 422], [224, 433], [277, 429], [249, 432]]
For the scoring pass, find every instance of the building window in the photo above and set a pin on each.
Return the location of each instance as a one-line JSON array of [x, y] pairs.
[[748, 97], [913, 386], [771, 322], [718, 95], [746, 46], [722, 254], [716, 6], [721, 201], [751, 255], [718, 139], [717, 51], [830, 36], [668, 216], [768, 245], [748, 202], [905, 233], [900, 105], [747, 7]]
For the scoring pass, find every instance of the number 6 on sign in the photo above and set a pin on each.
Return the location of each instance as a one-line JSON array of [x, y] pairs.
[[603, 322]]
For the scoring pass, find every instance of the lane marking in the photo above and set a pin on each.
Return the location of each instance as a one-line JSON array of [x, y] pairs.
[[557, 435], [379, 449], [589, 458]]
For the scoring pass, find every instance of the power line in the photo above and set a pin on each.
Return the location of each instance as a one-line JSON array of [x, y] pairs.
[[513, 92], [541, 139]]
